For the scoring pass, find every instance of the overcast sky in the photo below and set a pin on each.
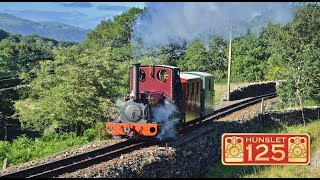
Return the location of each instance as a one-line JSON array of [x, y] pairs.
[[80, 14]]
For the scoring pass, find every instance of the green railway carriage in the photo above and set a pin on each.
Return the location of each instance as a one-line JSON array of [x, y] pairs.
[[207, 92], [191, 85]]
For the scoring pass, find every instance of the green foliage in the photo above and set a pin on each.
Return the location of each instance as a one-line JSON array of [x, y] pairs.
[[42, 41], [4, 148], [171, 53], [217, 58], [73, 91], [6, 109], [64, 44], [116, 33], [300, 53], [3, 34], [195, 58], [18, 53], [248, 58], [22, 56], [100, 128], [90, 134], [23, 149], [270, 35]]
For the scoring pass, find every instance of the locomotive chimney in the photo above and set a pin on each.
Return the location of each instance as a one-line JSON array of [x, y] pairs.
[[135, 80]]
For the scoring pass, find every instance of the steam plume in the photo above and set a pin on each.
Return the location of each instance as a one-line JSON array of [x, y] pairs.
[[165, 22], [163, 114]]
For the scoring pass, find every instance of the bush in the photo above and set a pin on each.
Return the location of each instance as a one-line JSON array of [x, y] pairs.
[[4, 148], [90, 134], [101, 126]]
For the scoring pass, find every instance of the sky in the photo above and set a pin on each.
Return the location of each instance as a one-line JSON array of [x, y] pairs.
[[79, 14]]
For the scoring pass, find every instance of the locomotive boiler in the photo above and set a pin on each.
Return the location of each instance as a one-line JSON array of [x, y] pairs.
[[152, 87]]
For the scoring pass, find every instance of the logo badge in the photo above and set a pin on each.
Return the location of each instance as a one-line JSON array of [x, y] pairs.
[[265, 149]]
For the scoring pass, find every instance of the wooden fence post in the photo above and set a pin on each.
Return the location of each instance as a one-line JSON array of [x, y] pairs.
[[262, 111], [262, 106]]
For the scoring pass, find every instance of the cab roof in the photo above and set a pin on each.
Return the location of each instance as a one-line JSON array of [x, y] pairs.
[[198, 73], [164, 66], [188, 76]]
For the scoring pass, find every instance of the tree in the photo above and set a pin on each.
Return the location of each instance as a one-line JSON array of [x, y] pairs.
[[195, 58], [116, 33], [217, 57], [3, 34], [171, 53], [73, 91], [22, 56], [6, 109], [248, 58], [300, 50], [269, 37]]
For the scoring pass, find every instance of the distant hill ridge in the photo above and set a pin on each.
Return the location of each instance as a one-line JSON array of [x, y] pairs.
[[51, 29]]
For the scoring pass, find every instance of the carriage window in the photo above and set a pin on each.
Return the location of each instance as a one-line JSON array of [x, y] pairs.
[[192, 89], [197, 90], [210, 89], [142, 75], [187, 90]]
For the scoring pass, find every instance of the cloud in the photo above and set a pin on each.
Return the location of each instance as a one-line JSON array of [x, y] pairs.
[[77, 4], [112, 7]]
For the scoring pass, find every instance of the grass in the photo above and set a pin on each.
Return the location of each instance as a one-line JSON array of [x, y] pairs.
[[283, 171], [24, 149], [221, 89]]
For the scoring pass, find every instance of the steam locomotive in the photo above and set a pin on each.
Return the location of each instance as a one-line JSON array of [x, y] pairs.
[[162, 98]]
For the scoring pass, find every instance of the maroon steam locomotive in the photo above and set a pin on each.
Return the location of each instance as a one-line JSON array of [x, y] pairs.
[[162, 95]]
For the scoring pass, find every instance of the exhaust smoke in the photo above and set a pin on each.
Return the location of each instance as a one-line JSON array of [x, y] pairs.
[[167, 22], [163, 114]]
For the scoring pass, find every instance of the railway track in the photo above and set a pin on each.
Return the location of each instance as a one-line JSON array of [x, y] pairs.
[[83, 160], [218, 113]]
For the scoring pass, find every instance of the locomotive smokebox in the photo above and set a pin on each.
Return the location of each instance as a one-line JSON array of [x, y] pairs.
[[135, 80]]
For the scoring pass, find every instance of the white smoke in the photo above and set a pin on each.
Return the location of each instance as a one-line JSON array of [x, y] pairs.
[[161, 114], [165, 22], [119, 104]]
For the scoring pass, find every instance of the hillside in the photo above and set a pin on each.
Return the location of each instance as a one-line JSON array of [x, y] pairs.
[[55, 30]]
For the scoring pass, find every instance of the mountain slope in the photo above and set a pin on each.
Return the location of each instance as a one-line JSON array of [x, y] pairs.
[[55, 30]]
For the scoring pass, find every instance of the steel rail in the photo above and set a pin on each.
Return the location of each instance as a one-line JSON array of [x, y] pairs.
[[79, 161], [225, 111], [221, 112]]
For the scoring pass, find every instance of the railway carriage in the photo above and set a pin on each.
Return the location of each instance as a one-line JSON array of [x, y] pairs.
[[206, 92], [153, 87], [191, 87]]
